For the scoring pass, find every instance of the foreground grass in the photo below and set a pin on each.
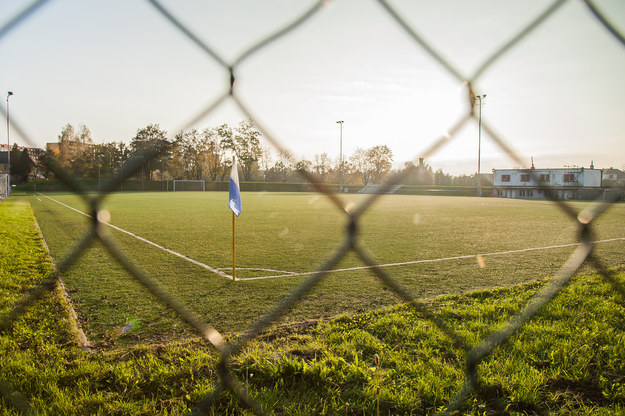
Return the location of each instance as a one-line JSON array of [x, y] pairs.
[[297, 232], [568, 360]]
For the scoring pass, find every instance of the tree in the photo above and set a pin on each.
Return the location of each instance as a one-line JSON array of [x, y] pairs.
[[44, 163], [245, 144], [420, 174], [360, 163], [149, 136], [24, 168], [265, 160], [425, 175], [200, 154], [464, 180], [84, 163], [75, 150], [301, 167], [380, 160], [225, 135], [190, 151], [21, 165], [304, 166], [277, 173], [322, 165], [214, 153], [108, 157], [66, 146], [36, 155], [441, 178]]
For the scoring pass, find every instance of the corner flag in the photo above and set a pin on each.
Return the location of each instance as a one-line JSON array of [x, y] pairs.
[[235, 193]]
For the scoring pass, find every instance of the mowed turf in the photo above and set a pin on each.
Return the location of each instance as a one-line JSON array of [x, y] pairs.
[[298, 233]]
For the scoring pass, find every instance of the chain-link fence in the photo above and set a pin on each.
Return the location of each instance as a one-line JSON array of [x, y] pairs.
[[350, 242]]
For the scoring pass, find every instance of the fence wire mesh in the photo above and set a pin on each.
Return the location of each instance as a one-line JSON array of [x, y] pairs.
[[350, 243]]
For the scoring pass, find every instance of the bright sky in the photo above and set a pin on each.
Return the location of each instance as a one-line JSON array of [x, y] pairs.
[[118, 65]]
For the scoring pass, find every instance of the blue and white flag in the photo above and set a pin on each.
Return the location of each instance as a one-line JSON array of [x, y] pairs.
[[235, 192]]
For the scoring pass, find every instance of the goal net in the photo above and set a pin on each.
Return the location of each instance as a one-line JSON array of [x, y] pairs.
[[4, 179], [189, 185]]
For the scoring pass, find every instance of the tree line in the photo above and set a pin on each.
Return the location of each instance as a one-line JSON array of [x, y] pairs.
[[207, 154]]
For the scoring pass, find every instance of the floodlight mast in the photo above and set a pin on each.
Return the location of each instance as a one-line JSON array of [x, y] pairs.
[[10, 93], [340, 123], [479, 146]]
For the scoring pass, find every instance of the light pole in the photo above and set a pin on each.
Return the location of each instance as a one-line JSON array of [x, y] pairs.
[[99, 163], [10, 93], [340, 123], [479, 146], [163, 174]]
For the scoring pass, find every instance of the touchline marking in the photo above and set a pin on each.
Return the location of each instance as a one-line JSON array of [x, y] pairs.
[[284, 272], [182, 256], [405, 263]]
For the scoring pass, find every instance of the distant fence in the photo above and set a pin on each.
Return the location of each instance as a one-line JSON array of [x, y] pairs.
[[351, 243], [134, 185]]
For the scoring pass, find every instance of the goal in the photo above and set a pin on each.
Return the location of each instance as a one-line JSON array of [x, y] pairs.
[[189, 185]]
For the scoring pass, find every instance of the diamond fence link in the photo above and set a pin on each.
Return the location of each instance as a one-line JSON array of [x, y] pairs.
[[350, 242]]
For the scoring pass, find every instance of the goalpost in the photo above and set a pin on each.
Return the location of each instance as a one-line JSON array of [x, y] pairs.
[[189, 185]]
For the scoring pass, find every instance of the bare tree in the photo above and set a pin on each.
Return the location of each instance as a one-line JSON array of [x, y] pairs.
[[361, 164], [322, 165], [214, 153], [245, 144], [380, 159]]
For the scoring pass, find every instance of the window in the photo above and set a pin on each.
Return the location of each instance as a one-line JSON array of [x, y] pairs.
[[544, 177], [568, 177], [525, 177], [505, 178]]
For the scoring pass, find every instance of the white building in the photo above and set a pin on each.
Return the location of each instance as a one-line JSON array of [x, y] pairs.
[[560, 183]]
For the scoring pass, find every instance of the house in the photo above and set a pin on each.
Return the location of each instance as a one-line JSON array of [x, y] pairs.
[[33, 153], [557, 183], [613, 177]]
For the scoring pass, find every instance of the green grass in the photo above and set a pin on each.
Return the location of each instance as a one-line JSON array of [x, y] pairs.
[[568, 360], [558, 363], [296, 232]]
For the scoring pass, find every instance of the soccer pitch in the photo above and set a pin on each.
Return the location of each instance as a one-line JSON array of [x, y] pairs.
[[431, 245]]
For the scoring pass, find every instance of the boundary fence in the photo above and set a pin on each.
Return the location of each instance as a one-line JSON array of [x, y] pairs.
[[134, 185], [350, 243]]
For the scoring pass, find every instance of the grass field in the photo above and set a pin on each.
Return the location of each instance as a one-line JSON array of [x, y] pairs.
[[567, 360], [295, 233]]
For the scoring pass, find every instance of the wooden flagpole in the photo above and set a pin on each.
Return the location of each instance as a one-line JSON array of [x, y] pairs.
[[234, 269]]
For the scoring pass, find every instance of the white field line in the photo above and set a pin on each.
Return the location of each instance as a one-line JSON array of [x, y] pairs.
[[182, 256], [405, 263], [283, 272]]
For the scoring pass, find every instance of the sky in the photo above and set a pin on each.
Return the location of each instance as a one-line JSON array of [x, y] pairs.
[[116, 66]]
